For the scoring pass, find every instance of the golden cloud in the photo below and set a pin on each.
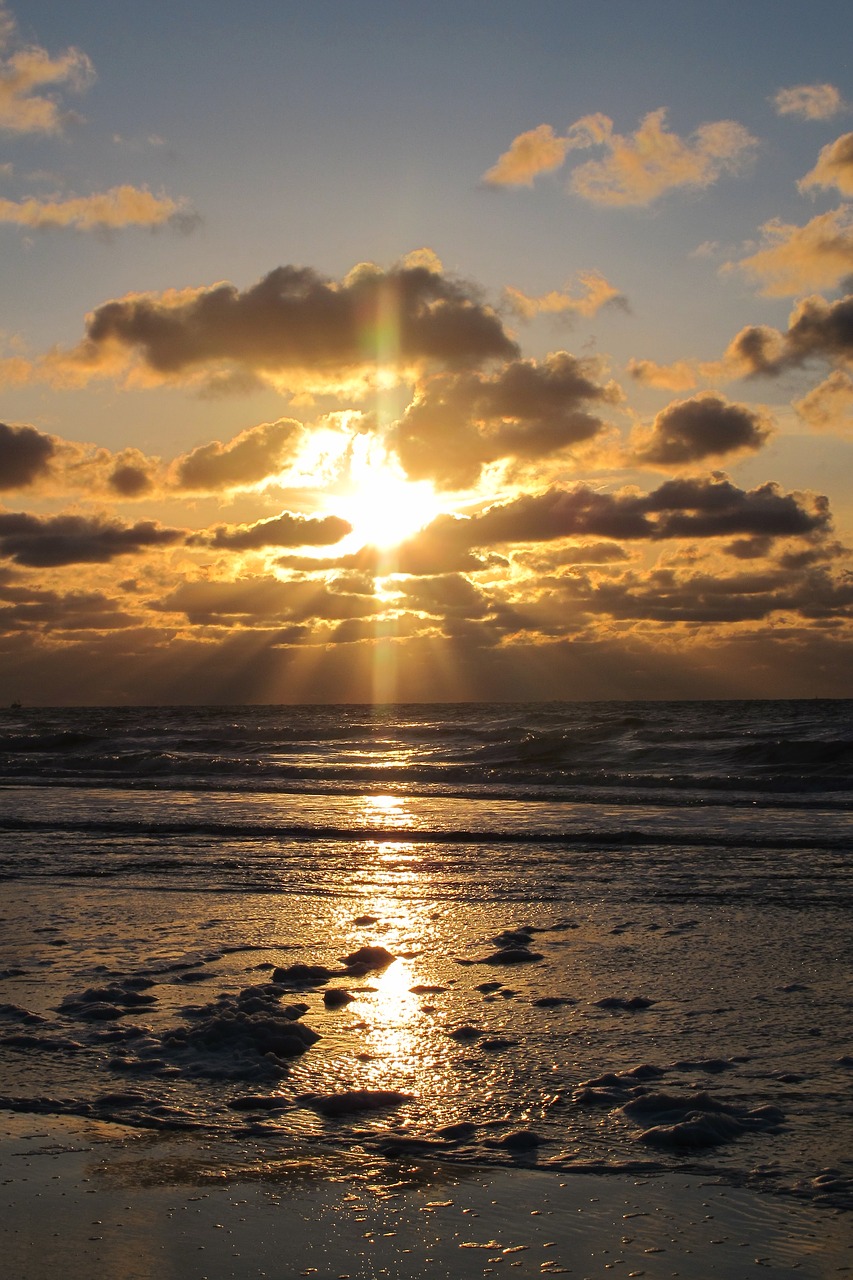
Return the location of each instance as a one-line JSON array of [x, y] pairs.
[[809, 101], [796, 259], [834, 167], [31, 68], [595, 293], [124, 206], [643, 166], [537, 151], [829, 406], [284, 530], [678, 376], [639, 168], [250, 457]]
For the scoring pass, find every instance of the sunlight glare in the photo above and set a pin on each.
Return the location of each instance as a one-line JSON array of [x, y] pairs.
[[383, 507]]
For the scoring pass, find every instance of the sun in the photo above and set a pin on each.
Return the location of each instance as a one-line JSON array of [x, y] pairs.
[[382, 505]]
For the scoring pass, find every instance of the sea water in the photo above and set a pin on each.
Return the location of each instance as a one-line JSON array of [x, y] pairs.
[[607, 937]]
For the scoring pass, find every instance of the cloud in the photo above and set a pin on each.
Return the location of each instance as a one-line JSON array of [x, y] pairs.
[[264, 599], [252, 666], [45, 542], [678, 376], [706, 426], [457, 424], [26, 609], [638, 169], [25, 455], [589, 553], [809, 101], [124, 206], [294, 326], [435, 550], [834, 167], [795, 259], [829, 406], [643, 166], [16, 371], [817, 329], [250, 457], [704, 599], [285, 530], [444, 594], [688, 508], [537, 151], [29, 457], [30, 68], [596, 292], [131, 474]]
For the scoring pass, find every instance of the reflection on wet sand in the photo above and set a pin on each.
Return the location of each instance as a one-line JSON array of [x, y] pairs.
[[396, 1036], [174, 1208]]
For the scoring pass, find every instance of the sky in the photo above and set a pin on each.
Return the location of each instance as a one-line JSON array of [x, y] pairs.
[[425, 352]]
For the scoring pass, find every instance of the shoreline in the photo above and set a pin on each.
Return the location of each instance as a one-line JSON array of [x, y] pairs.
[[89, 1197]]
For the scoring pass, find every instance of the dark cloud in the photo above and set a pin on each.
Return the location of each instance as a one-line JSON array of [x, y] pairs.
[[285, 530], [459, 423], [435, 550], [443, 595], [129, 480], [717, 508], [85, 611], [295, 319], [819, 553], [353, 583], [757, 349], [822, 328], [263, 599], [250, 457], [432, 551], [589, 553], [749, 548], [45, 542], [707, 426], [25, 455], [358, 630], [688, 508], [365, 560], [817, 329], [712, 599], [263, 665]]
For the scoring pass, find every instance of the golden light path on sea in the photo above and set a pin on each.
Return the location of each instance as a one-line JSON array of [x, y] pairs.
[[393, 886]]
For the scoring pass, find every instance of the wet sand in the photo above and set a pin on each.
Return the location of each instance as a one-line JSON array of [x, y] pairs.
[[80, 1198]]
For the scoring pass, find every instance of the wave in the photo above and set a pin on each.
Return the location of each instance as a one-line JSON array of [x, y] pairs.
[[686, 837], [718, 748]]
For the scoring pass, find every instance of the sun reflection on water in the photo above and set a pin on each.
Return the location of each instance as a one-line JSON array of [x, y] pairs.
[[398, 1037], [384, 811]]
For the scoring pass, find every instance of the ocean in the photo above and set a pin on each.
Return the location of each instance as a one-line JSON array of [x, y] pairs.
[[598, 937]]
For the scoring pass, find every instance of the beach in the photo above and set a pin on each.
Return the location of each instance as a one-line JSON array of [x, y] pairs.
[[338, 994], [83, 1198]]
